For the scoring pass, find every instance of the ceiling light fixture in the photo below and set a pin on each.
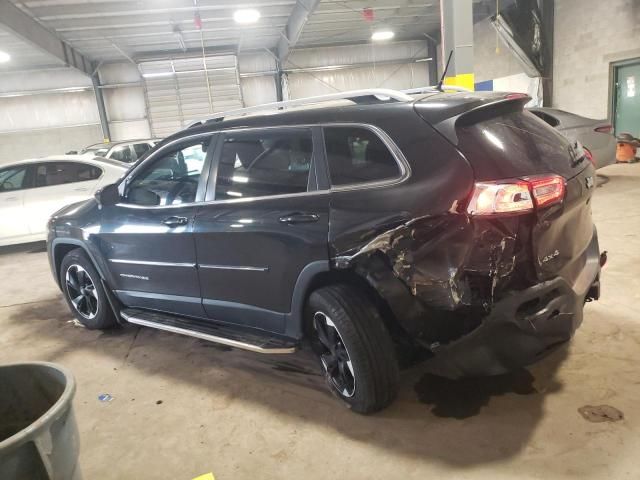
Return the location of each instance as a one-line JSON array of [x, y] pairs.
[[4, 57], [381, 35], [246, 16]]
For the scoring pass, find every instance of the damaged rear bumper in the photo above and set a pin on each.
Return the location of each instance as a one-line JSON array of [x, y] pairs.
[[524, 326]]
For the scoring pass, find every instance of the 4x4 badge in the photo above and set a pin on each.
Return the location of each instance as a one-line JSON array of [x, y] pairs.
[[589, 181]]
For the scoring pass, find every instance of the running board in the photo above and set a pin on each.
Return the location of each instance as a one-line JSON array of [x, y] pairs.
[[241, 338]]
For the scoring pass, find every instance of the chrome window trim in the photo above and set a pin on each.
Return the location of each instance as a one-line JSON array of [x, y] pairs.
[[232, 267], [150, 263], [401, 160], [403, 164]]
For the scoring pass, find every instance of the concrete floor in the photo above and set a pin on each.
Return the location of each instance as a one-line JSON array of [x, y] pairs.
[[183, 407]]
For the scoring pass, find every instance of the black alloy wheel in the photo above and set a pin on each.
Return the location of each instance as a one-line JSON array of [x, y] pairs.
[[334, 357], [82, 291]]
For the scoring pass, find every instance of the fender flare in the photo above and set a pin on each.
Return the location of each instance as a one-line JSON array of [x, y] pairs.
[[294, 325], [76, 243]]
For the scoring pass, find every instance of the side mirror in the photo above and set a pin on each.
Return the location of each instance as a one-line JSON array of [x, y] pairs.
[[108, 196]]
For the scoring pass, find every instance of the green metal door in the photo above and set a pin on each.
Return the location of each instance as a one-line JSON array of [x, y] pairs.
[[627, 99]]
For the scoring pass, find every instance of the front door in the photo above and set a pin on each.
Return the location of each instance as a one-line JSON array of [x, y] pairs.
[[148, 237], [268, 221], [13, 221]]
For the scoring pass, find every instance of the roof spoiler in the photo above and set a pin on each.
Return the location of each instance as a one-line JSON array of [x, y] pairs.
[[469, 110]]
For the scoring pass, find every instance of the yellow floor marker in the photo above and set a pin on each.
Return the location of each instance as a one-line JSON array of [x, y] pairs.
[[206, 476]]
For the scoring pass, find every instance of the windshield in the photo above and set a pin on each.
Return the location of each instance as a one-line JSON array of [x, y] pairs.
[[98, 151]]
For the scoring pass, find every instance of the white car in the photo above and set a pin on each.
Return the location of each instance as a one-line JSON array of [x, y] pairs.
[[32, 190], [125, 151]]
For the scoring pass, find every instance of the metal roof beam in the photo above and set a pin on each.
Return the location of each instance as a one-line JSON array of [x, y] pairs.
[[292, 31], [26, 28]]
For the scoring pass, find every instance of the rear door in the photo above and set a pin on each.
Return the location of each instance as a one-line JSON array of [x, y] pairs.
[[148, 237], [58, 183], [13, 221], [267, 220]]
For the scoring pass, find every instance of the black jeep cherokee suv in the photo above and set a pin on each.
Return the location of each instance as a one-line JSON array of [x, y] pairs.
[[455, 223]]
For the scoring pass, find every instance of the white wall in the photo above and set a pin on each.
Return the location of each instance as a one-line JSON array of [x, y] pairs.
[[33, 123], [126, 105], [257, 90], [44, 142], [492, 59], [589, 35], [404, 74], [40, 124]]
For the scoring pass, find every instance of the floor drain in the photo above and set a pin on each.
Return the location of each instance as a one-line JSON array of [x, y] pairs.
[[600, 413]]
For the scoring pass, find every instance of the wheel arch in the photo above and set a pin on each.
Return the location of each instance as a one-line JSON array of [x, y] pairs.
[[61, 247], [319, 274]]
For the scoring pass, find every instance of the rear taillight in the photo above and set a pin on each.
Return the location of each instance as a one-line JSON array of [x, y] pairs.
[[516, 196], [589, 155], [604, 129], [547, 189]]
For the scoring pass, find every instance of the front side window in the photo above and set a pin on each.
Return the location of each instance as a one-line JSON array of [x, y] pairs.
[[58, 173], [262, 163], [12, 178], [358, 155], [172, 178], [123, 154], [140, 149]]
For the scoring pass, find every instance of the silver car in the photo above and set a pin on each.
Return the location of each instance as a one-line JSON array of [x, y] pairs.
[[596, 136]]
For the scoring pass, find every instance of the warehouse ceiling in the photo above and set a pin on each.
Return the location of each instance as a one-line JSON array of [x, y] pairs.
[[112, 30]]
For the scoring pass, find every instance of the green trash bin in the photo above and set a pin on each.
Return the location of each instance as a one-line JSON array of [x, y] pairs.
[[38, 431]]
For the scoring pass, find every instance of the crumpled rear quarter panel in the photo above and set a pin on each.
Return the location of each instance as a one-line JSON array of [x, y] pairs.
[[438, 269]]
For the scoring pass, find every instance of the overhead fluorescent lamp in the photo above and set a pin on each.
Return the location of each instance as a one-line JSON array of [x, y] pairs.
[[155, 75], [382, 35], [246, 16], [4, 57]]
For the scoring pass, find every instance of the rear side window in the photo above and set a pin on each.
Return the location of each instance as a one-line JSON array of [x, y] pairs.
[[358, 155], [59, 173], [263, 163]]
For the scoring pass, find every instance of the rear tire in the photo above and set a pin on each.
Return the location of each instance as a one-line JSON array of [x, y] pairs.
[[354, 346], [83, 291]]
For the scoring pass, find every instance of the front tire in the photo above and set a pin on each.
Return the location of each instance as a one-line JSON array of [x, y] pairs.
[[84, 292], [355, 349]]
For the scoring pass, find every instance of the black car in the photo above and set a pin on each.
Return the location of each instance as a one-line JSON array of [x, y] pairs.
[[455, 224]]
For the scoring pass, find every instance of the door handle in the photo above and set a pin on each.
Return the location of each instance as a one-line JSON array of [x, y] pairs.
[[11, 199], [297, 217], [81, 189], [175, 221]]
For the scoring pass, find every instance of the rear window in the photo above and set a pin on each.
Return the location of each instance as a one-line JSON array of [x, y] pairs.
[[513, 144], [358, 155], [59, 173]]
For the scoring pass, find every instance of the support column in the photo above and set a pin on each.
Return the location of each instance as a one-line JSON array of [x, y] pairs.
[[278, 80], [102, 111], [547, 8], [457, 35], [432, 52]]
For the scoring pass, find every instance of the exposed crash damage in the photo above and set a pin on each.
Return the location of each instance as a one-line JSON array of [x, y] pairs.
[[489, 293], [441, 276]]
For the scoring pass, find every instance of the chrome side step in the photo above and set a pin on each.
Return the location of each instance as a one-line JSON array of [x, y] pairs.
[[209, 332]]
